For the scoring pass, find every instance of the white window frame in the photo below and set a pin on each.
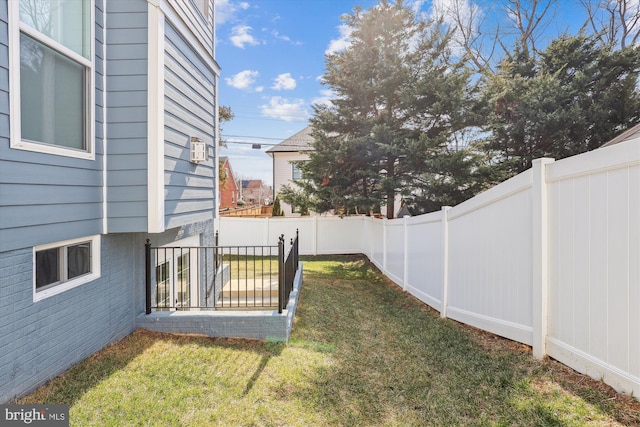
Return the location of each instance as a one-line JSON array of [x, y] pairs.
[[63, 285], [15, 28], [171, 256], [295, 166]]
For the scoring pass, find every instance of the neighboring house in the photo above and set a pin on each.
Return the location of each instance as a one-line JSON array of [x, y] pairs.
[[255, 192], [285, 171], [101, 104], [228, 188], [627, 135]]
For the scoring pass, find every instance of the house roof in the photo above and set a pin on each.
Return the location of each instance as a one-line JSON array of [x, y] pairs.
[[301, 141], [251, 183], [227, 165], [624, 136]]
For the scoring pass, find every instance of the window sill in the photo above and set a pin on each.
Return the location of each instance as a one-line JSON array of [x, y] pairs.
[[52, 149], [55, 290]]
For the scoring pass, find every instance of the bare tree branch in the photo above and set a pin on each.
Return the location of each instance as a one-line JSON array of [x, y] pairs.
[[530, 19], [617, 22]]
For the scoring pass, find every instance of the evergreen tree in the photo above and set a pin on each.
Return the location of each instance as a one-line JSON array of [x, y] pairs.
[[297, 199], [573, 97], [277, 209], [399, 102]]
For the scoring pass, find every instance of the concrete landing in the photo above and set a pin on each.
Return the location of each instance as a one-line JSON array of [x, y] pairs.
[[236, 323], [238, 293]]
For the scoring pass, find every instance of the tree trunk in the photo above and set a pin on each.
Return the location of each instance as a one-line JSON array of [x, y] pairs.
[[391, 194]]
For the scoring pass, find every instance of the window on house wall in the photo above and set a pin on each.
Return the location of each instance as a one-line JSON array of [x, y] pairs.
[[64, 265], [53, 102], [296, 172]]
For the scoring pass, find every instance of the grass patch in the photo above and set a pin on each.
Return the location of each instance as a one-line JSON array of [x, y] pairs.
[[362, 353], [245, 266]]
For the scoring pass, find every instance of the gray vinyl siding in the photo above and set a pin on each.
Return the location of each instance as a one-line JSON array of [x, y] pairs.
[[189, 111], [127, 115], [33, 186]]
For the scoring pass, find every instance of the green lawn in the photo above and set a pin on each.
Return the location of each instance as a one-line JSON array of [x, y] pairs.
[[362, 353], [252, 267]]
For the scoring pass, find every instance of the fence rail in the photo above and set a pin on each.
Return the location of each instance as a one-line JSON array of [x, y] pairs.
[[192, 278]]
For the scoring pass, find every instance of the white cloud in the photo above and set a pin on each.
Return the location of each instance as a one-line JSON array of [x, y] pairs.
[[240, 36], [277, 35], [243, 80], [224, 11], [465, 9], [284, 82], [416, 5], [284, 109], [286, 38], [326, 95], [450, 11], [342, 42]]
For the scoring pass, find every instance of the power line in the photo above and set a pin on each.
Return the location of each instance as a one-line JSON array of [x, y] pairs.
[[252, 136], [291, 118], [302, 148], [248, 143], [260, 143]]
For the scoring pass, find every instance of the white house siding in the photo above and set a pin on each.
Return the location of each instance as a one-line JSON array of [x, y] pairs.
[[283, 173], [189, 188], [44, 197]]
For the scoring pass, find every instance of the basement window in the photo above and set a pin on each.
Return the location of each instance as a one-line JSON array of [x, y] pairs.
[[61, 266]]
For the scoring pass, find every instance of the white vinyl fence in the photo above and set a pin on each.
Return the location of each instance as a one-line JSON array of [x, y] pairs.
[[549, 258]]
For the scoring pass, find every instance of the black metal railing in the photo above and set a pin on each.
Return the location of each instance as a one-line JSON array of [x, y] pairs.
[[220, 277], [289, 267]]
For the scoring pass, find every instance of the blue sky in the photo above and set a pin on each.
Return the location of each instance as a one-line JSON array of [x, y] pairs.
[[272, 56]]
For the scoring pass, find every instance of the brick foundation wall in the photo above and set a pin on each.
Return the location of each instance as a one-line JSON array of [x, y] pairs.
[[259, 324], [39, 340]]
